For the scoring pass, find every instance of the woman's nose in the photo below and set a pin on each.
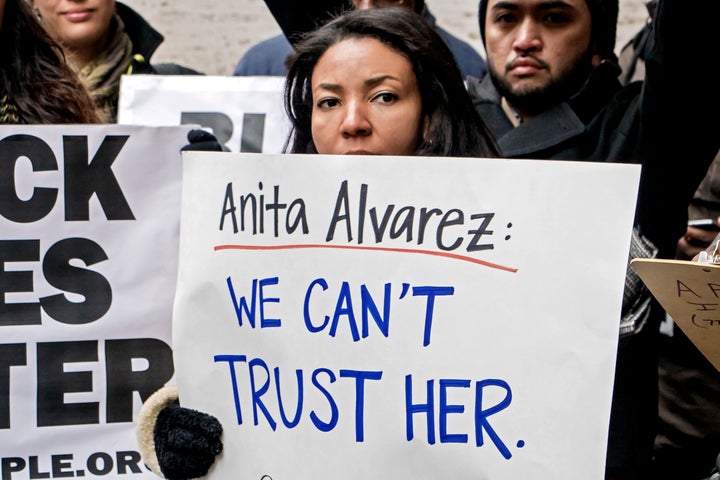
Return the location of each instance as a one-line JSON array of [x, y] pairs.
[[355, 121]]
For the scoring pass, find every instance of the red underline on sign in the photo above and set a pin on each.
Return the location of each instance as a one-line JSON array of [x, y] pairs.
[[376, 249]]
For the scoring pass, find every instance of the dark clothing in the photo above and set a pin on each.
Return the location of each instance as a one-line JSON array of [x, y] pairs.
[[606, 123], [268, 57], [656, 123], [631, 58], [145, 40], [688, 437], [688, 429], [296, 18], [468, 59], [706, 201]]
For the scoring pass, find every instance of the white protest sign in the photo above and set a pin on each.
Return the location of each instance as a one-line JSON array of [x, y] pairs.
[[246, 114], [402, 317], [90, 219]]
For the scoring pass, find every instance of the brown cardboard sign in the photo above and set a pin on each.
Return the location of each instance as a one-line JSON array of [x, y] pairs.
[[690, 293]]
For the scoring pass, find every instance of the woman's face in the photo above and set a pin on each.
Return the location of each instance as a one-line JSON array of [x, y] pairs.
[[366, 100], [78, 25], [2, 10]]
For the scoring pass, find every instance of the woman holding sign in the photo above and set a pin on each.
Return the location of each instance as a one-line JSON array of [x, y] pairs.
[[36, 85], [370, 82]]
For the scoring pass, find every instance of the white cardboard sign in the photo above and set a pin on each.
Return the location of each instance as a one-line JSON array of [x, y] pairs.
[[402, 317], [89, 222], [245, 113]]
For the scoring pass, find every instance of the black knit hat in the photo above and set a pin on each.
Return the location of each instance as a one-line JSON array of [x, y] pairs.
[[604, 24]]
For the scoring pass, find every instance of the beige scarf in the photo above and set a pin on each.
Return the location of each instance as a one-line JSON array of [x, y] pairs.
[[8, 112], [102, 75]]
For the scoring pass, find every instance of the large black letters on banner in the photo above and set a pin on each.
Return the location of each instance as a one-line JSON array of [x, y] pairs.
[[123, 381], [60, 274], [10, 355], [82, 179], [253, 129], [42, 159]]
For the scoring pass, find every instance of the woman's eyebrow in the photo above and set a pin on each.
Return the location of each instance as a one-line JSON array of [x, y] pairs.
[[333, 87], [371, 82]]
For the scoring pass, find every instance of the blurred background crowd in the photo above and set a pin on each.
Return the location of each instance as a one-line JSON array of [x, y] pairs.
[[238, 24]]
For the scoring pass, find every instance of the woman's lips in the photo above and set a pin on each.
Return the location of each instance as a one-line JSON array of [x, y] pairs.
[[78, 15], [358, 152]]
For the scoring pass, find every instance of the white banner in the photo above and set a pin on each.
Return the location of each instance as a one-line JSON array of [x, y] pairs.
[[89, 217], [246, 114], [405, 318]]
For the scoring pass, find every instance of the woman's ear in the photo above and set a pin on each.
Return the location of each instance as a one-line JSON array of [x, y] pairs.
[[426, 126], [35, 10]]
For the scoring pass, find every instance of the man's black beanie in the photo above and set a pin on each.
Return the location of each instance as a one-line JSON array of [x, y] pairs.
[[604, 24]]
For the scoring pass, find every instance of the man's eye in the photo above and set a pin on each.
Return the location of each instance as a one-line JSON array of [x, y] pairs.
[[557, 18], [505, 18]]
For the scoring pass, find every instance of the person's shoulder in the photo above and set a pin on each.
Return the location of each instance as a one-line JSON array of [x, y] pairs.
[[456, 43], [468, 58], [266, 57], [481, 90]]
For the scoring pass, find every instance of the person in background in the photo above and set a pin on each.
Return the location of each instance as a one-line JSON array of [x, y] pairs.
[[631, 57], [103, 40], [36, 85], [368, 82], [688, 437], [268, 57], [688, 431], [552, 92]]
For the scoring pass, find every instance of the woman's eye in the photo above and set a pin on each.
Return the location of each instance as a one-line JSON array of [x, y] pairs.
[[327, 102], [386, 97]]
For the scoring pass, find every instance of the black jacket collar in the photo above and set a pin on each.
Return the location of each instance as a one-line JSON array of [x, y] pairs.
[[145, 39]]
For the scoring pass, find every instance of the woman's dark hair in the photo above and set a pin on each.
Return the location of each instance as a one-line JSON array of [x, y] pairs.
[[454, 129], [34, 74]]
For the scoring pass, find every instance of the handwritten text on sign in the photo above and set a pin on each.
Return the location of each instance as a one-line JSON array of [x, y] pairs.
[[328, 304], [690, 293], [449, 230]]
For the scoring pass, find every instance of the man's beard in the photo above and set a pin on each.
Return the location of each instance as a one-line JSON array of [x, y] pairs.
[[535, 100]]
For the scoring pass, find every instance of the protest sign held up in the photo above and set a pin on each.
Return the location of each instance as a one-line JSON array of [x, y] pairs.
[[246, 114], [689, 292], [89, 217], [418, 318]]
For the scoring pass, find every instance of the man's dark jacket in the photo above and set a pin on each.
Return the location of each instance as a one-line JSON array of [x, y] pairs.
[[666, 123]]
